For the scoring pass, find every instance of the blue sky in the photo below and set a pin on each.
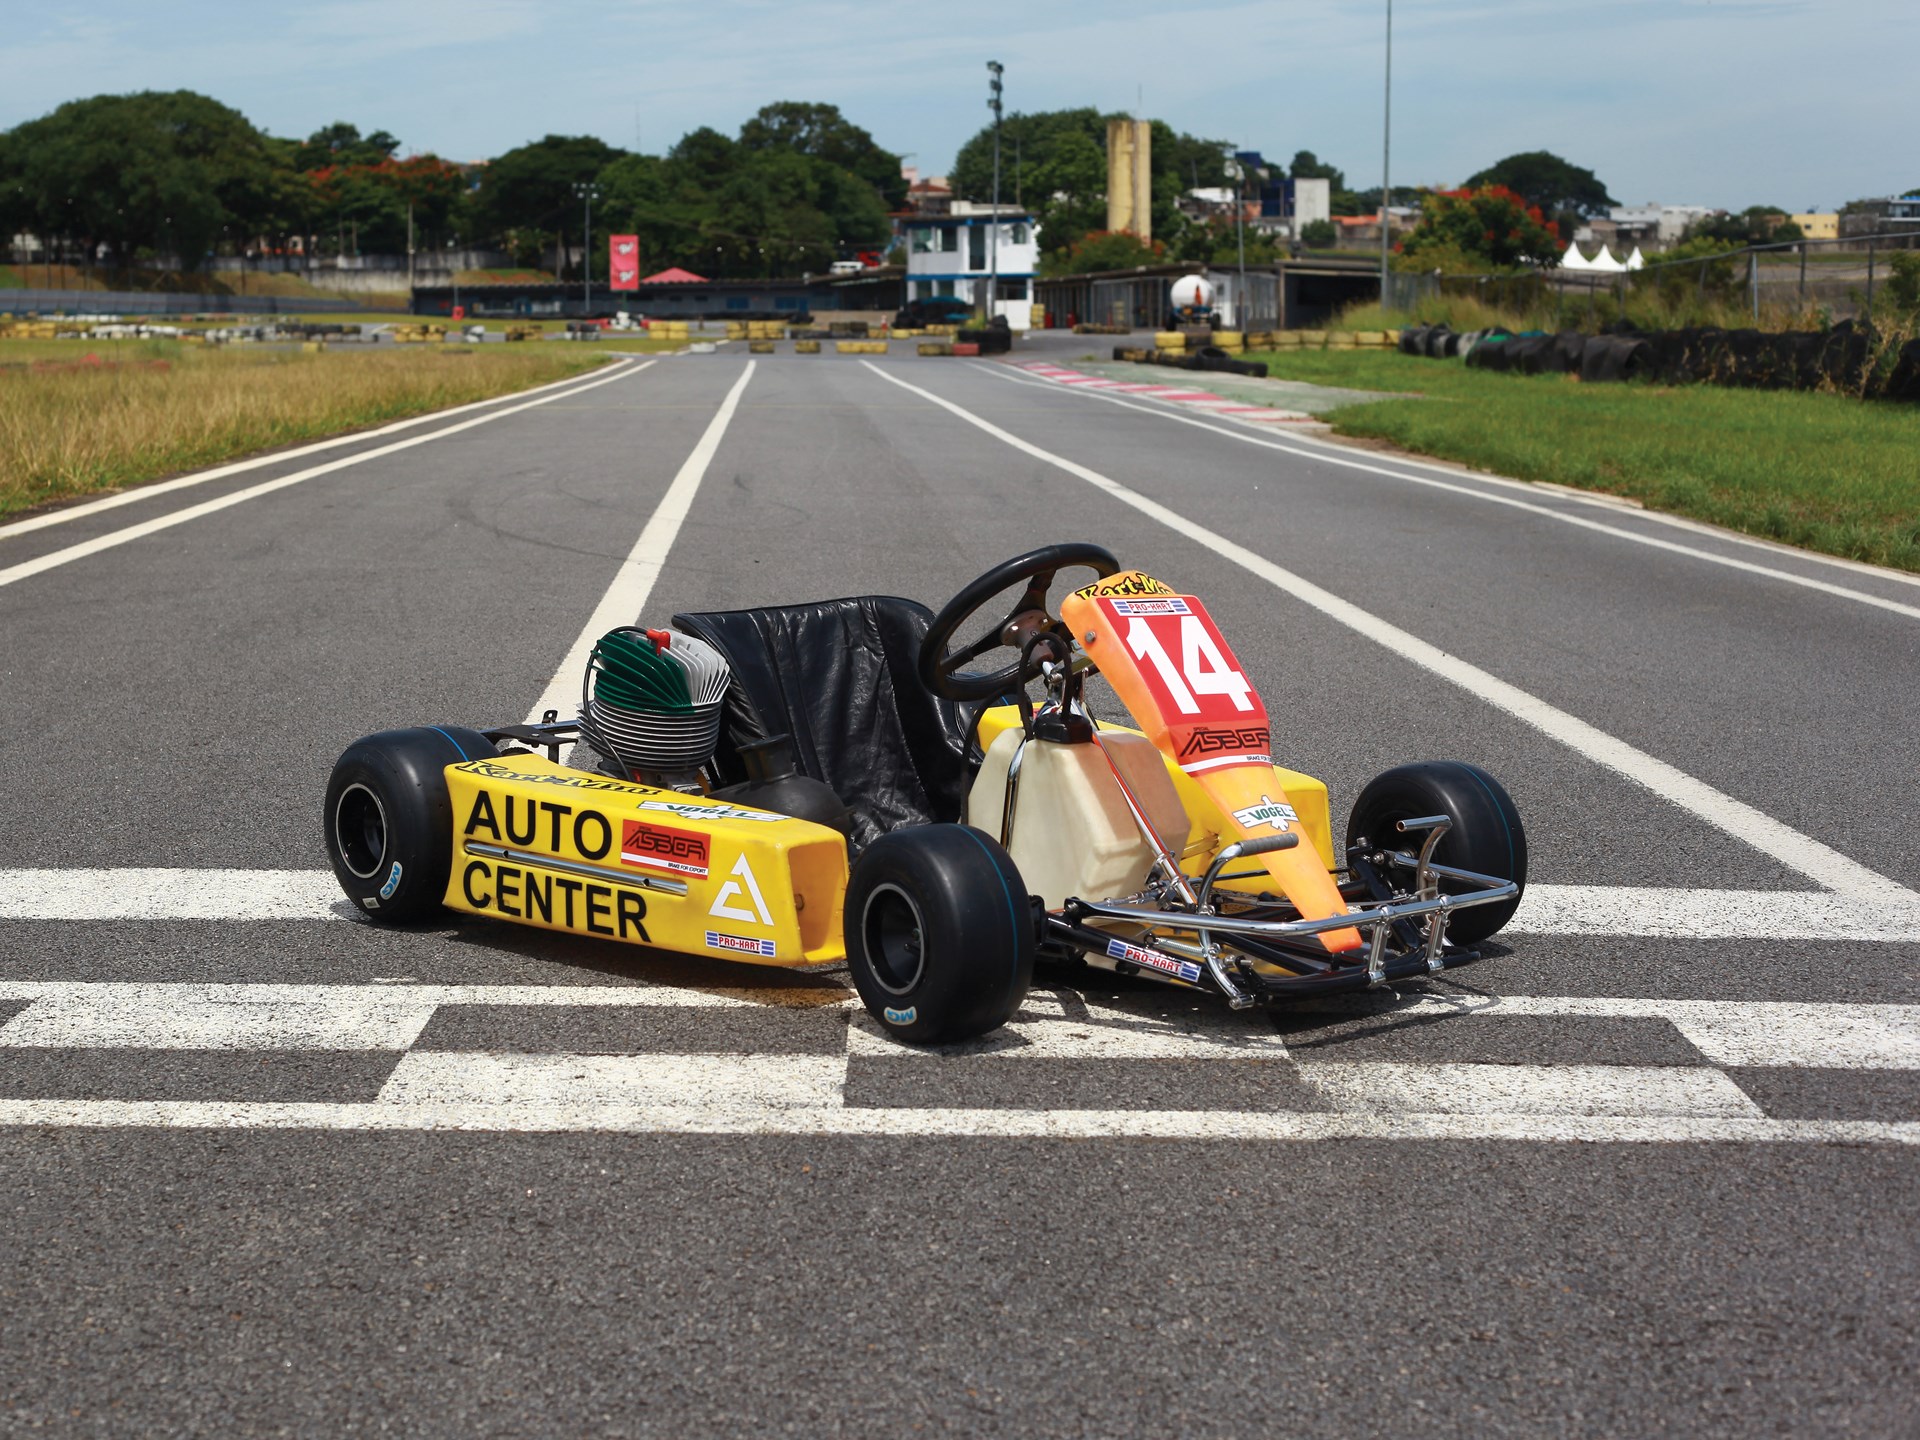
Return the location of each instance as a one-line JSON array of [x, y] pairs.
[[1716, 102]]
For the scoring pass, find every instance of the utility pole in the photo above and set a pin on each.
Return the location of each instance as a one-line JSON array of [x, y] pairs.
[[586, 191], [1240, 234], [994, 68], [410, 280], [1386, 155]]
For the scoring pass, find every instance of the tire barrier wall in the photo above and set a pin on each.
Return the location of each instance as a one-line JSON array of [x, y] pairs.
[[1212, 358], [1848, 357]]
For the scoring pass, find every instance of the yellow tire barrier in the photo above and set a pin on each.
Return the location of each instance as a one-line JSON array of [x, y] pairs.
[[1312, 339], [1229, 340], [806, 347], [759, 347], [860, 347], [1169, 340], [936, 347]]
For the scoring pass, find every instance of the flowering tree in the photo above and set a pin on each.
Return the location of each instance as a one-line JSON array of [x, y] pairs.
[[1490, 228]]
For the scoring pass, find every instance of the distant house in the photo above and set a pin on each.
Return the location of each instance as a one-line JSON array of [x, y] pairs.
[[954, 254], [1652, 225], [1818, 225]]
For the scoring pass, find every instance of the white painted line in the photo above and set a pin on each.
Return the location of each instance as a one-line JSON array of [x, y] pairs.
[[1726, 1032], [154, 893], [136, 1017], [1242, 1126], [157, 893], [55, 559], [1193, 1028], [1712, 914], [1820, 863], [1803, 1036], [708, 1082], [631, 586], [1611, 1090], [278, 457], [400, 1000], [1330, 454]]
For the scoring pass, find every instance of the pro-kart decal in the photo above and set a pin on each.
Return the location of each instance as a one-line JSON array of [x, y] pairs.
[[393, 882], [1171, 606], [728, 904], [900, 1017], [1153, 960], [739, 944], [662, 847]]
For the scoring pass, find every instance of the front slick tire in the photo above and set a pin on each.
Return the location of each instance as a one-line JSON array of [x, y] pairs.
[[1487, 837], [940, 937], [388, 825]]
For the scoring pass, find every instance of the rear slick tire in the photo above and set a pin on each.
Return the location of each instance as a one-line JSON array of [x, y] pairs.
[[388, 824], [1487, 836], [939, 933]]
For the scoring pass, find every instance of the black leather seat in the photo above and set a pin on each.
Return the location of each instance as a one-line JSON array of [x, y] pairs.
[[838, 676]]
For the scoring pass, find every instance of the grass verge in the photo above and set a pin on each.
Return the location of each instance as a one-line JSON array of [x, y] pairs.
[[1821, 471], [169, 407]]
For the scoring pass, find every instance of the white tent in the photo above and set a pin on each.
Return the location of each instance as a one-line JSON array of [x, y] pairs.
[[1573, 259], [1604, 261], [1636, 261]]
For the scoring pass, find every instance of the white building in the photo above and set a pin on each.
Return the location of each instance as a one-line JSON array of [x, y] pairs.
[[1662, 225], [954, 254]]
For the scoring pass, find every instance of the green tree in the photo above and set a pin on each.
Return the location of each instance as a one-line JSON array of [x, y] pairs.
[[343, 144], [526, 195], [1755, 225], [1109, 250], [1556, 187], [1308, 166], [821, 132], [1055, 161], [1490, 228], [1319, 234], [156, 172]]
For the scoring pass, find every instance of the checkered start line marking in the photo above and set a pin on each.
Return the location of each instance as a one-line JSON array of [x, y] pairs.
[[1197, 399], [769, 1092]]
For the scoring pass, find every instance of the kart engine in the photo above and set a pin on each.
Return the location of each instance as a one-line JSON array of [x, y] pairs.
[[651, 703]]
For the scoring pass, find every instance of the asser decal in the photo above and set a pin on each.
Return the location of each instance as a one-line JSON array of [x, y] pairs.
[[1154, 960], [1268, 812], [661, 847], [1250, 740], [520, 821], [1127, 582]]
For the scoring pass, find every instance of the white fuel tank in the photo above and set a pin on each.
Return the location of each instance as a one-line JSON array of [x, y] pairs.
[[1072, 832]]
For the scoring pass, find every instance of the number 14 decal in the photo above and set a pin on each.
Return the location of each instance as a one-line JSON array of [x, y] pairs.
[[1203, 669]]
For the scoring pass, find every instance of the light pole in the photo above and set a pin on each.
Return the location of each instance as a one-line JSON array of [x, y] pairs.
[[994, 68], [1386, 154], [586, 191]]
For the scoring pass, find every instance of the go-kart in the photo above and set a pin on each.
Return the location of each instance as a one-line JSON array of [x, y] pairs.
[[865, 798]]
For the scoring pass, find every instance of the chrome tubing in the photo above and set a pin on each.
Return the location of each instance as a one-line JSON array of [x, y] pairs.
[[1384, 913], [576, 867]]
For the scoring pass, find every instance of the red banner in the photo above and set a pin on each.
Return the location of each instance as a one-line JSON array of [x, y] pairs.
[[623, 262]]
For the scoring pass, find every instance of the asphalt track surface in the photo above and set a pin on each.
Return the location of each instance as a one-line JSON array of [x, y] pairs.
[[1648, 1169]]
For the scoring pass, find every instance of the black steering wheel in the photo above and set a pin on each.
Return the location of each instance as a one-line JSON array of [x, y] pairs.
[[940, 668]]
